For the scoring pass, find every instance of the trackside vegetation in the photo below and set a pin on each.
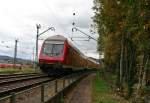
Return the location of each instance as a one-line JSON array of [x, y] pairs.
[[124, 39], [102, 93]]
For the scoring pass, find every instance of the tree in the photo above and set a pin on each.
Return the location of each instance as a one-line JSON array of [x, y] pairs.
[[124, 35]]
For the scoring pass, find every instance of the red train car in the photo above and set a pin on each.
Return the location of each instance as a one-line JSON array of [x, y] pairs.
[[7, 65], [58, 54]]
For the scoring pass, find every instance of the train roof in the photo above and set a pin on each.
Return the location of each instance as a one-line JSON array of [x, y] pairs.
[[62, 38], [57, 37]]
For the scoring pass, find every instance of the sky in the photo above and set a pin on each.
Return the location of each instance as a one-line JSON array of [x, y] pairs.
[[18, 20]]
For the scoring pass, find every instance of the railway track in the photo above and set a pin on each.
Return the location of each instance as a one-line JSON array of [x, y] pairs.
[[19, 82], [6, 76], [38, 88]]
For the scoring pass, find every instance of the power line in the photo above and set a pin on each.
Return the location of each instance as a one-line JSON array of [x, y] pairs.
[[5, 46], [52, 13], [77, 29]]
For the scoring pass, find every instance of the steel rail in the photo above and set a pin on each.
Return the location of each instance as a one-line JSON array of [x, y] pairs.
[[22, 85], [17, 76], [11, 80]]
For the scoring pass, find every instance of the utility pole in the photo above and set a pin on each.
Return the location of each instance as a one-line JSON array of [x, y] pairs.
[[15, 52], [33, 57], [38, 26]]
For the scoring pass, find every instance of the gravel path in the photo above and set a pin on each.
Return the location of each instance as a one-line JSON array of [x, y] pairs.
[[82, 92]]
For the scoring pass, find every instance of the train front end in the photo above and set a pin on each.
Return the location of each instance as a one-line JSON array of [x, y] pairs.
[[52, 55]]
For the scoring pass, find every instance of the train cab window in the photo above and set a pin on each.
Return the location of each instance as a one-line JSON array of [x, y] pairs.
[[53, 50]]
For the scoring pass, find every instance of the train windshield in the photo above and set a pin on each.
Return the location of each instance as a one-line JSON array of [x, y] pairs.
[[53, 49]]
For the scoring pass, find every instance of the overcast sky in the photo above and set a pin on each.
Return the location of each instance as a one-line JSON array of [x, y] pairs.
[[18, 20]]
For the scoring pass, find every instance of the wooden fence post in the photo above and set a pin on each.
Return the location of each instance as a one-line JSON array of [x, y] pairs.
[[13, 97], [42, 93], [56, 86]]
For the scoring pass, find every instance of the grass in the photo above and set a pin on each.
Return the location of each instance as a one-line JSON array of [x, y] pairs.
[[16, 70], [101, 92]]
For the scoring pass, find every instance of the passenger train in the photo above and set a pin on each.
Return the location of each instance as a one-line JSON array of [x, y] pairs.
[[59, 55]]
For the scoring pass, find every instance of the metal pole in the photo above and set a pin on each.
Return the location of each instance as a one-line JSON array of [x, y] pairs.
[[36, 57], [37, 35], [38, 26], [15, 52], [33, 58]]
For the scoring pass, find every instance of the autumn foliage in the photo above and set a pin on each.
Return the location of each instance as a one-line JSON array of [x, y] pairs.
[[124, 38]]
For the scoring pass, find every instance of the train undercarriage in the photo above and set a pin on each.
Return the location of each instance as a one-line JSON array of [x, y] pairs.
[[55, 69]]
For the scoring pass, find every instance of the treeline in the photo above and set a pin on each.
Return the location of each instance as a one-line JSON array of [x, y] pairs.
[[124, 38]]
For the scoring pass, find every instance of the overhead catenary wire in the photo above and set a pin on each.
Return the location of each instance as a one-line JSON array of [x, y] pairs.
[[53, 14], [77, 29], [5, 46], [56, 18], [9, 50]]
